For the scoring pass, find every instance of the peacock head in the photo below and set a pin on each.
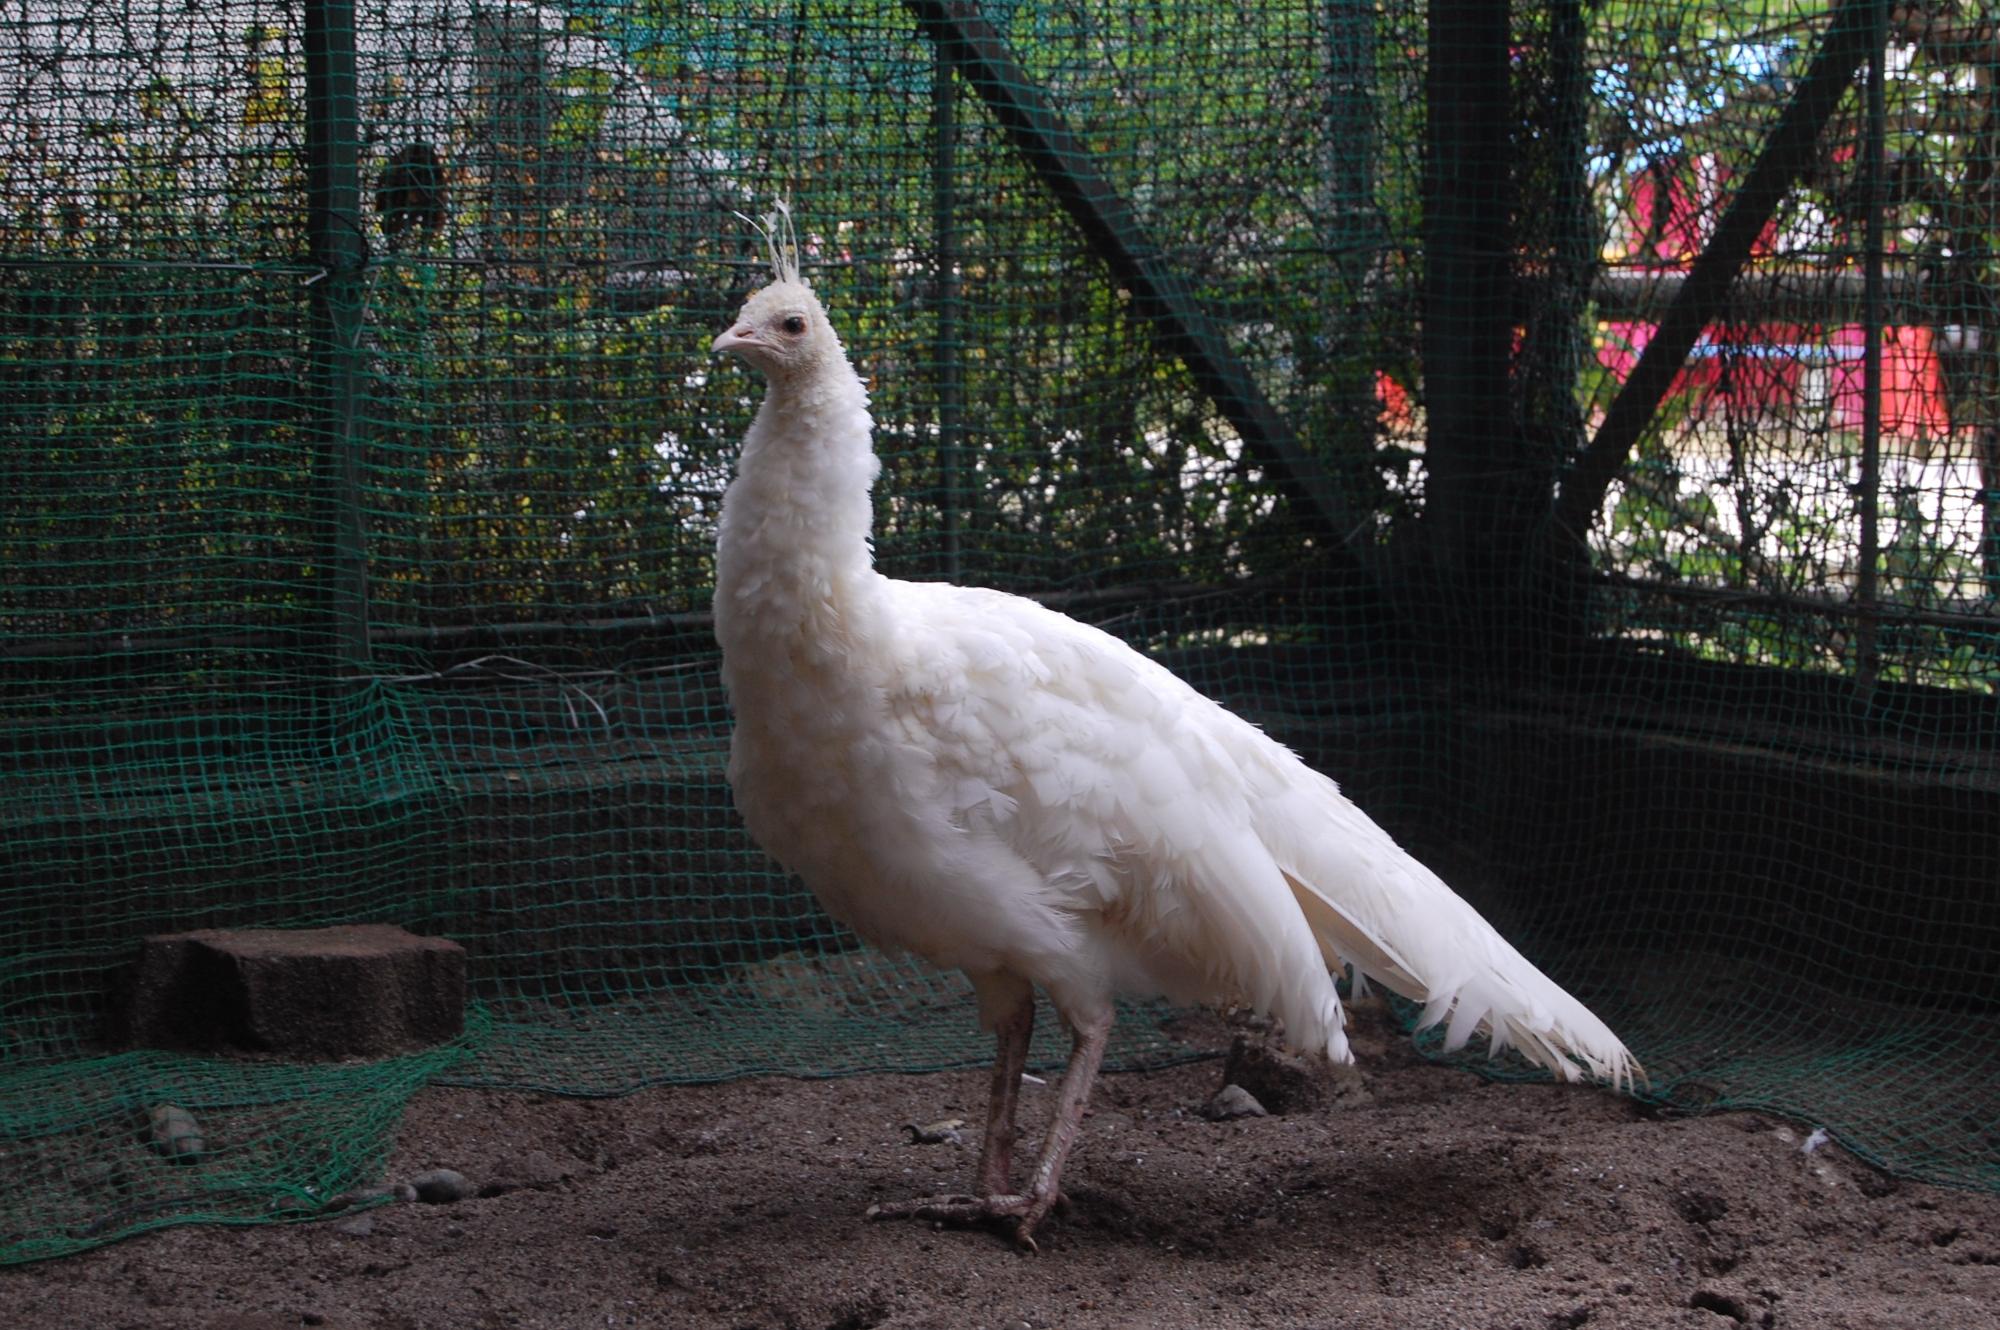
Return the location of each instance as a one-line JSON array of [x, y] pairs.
[[782, 330]]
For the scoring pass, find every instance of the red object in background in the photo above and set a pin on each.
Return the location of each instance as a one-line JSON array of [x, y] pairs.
[[1673, 211], [1913, 400], [1762, 368], [1392, 401]]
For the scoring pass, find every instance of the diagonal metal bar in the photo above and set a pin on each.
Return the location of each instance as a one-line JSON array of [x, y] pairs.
[[1855, 26], [1045, 141]]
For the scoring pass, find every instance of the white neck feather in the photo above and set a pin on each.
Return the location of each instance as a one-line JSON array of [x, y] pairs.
[[792, 552]]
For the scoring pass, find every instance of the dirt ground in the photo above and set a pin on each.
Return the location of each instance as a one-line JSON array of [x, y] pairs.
[[1418, 1197]]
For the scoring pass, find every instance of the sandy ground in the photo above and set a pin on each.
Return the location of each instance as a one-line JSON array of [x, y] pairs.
[[1417, 1196]]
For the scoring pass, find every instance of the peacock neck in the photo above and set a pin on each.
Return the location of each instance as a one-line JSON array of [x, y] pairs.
[[793, 555]]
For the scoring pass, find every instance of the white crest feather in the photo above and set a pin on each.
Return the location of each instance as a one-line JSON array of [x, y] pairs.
[[781, 236]]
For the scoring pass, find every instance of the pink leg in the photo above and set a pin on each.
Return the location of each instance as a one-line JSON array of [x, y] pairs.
[[1086, 1056], [996, 1154], [1028, 1209]]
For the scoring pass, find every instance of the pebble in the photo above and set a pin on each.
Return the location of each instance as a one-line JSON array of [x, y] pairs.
[[1233, 1101], [172, 1131], [355, 1226], [1285, 1082], [441, 1186], [942, 1132]]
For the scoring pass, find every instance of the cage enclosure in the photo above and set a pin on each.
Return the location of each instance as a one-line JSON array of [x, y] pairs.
[[1575, 428]]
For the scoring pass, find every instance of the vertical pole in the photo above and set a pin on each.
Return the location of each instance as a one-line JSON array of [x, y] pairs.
[[950, 367], [1554, 405], [1474, 486], [338, 251], [1482, 500], [1348, 208], [1868, 487]]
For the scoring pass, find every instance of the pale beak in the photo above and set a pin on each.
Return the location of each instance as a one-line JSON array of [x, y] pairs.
[[739, 338]]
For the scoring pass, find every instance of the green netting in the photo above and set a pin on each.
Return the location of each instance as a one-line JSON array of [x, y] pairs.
[[360, 455]]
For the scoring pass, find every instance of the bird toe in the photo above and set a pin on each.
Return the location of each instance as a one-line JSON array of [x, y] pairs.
[[1025, 1212]]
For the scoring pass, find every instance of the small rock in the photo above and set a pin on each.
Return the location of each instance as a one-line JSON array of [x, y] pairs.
[[441, 1186], [1276, 1079], [1286, 1083], [355, 1226], [1233, 1101], [942, 1132], [404, 1192], [173, 1132]]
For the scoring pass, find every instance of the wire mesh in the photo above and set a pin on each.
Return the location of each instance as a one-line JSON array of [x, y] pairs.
[[1725, 764]]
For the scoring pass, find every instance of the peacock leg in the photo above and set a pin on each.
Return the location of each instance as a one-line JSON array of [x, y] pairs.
[[996, 1153], [1045, 1191], [1028, 1209]]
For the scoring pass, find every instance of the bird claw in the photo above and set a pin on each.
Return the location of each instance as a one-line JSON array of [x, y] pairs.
[[1027, 1212]]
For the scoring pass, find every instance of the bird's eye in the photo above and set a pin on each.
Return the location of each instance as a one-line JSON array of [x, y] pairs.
[[793, 324]]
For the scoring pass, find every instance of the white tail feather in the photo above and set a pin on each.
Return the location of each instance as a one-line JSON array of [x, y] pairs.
[[1373, 906]]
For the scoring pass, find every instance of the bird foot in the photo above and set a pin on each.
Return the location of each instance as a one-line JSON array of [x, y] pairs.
[[1026, 1212]]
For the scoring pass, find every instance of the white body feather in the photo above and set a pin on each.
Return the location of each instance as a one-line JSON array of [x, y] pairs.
[[974, 778]]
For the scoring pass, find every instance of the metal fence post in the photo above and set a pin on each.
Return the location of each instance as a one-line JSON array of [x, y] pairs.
[[1868, 486], [339, 251], [950, 367]]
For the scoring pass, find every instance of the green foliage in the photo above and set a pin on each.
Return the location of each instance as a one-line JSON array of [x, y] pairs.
[[547, 439], [1749, 481]]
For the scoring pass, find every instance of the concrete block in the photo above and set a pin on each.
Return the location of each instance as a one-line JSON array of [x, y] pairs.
[[318, 994]]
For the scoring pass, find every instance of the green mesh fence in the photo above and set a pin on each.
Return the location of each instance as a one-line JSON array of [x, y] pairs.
[[1575, 429]]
